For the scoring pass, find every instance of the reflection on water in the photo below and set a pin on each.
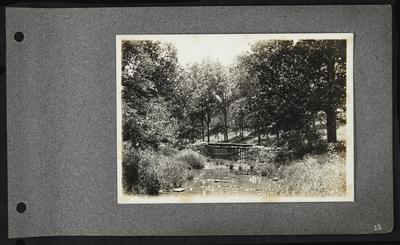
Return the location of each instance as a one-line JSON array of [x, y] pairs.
[[316, 178], [222, 181]]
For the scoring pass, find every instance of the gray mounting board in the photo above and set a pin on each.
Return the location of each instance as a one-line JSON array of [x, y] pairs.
[[61, 123]]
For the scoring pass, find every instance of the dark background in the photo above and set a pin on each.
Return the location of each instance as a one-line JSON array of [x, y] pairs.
[[381, 239]]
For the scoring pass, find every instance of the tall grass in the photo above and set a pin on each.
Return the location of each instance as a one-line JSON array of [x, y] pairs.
[[313, 176], [149, 171]]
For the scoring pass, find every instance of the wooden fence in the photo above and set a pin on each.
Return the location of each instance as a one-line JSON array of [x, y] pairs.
[[227, 150]]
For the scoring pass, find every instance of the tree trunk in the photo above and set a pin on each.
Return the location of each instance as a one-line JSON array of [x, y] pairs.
[[226, 125], [258, 131], [202, 129], [202, 123], [331, 125], [331, 110], [208, 127], [208, 133], [242, 125]]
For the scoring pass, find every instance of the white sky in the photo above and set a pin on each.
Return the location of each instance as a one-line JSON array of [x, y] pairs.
[[222, 47], [196, 48]]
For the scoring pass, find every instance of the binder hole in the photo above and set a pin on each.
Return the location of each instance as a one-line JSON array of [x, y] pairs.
[[20, 242], [2, 69], [19, 36], [21, 207]]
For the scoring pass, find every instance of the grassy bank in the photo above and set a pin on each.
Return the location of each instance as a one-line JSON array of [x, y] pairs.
[[150, 171], [315, 175], [312, 176]]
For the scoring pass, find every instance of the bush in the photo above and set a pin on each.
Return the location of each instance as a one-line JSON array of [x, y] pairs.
[[148, 171], [200, 147], [149, 180], [171, 173], [339, 147], [270, 170], [130, 160], [295, 144], [139, 172], [190, 175], [167, 150], [193, 159], [261, 153], [313, 176]]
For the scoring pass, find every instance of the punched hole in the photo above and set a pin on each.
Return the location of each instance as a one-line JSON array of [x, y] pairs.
[[21, 207], [19, 242], [19, 36], [2, 69]]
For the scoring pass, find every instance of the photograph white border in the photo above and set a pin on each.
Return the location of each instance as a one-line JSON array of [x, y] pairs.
[[350, 195]]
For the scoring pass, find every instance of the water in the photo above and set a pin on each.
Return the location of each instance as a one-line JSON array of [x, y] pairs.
[[216, 180], [215, 184]]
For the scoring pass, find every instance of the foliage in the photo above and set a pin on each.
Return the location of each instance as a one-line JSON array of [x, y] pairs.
[[155, 127], [296, 143], [313, 176], [171, 172], [193, 159], [149, 71], [139, 172], [271, 170], [148, 171], [200, 147], [130, 166], [261, 153], [288, 84], [339, 147], [279, 87]]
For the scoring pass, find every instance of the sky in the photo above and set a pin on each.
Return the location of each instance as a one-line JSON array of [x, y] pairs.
[[222, 47]]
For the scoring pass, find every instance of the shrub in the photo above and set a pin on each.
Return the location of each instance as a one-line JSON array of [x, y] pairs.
[[200, 147], [251, 167], [148, 171], [149, 181], [191, 158], [336, 147], [167, 150], [171, 173], [295, 144], [261, 153], [270, 170], [130, 160], [314, 175], [139, 171], [190, 175]]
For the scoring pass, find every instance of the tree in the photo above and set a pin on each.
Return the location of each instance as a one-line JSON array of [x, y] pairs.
[[210, 94], [264, 86], [326, 69], [238, 116], [149, 71], [185, 108], [288, 83]]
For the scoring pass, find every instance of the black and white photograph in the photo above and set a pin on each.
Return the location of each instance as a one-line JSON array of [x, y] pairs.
[[226, 118]]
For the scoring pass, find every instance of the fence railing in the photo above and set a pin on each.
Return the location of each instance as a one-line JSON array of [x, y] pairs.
[[227, 150]]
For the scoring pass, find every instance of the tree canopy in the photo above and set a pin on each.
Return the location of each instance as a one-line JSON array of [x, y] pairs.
[[278, 87]]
